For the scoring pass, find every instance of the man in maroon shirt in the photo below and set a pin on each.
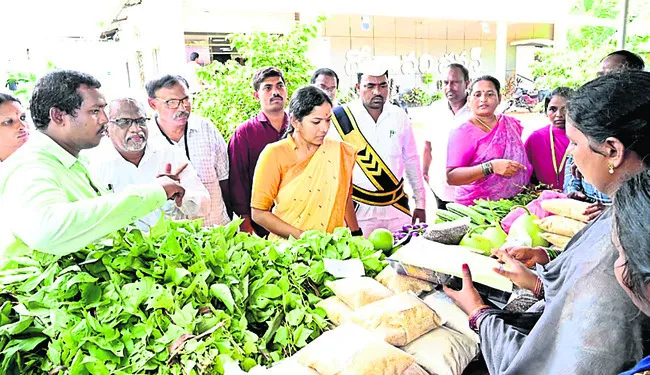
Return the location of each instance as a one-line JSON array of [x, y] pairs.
[[251, 137]]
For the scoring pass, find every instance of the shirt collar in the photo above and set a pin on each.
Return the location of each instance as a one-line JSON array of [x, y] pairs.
[[385, 112], [461, 110], [43, 142], [264, 120], [194, 122]]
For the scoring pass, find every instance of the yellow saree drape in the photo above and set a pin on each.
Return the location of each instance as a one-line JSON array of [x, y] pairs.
[[316, 198]]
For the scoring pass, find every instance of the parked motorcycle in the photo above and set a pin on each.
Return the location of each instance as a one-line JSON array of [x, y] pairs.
[[523, 98]]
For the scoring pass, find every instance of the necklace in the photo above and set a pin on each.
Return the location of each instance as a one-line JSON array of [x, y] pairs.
[[557, 169], [489, 129]]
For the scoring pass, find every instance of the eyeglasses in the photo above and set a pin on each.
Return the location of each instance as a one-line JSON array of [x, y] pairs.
[[175, 103], [125, 123]]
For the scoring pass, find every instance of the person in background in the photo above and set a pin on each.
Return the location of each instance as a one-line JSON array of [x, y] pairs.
[[620, 60], [193, 135], [486, 158], [327, 80], [574, 184], [14, 130], [383, 136], [609, 129], [304, 182], [127, 158], [250, 138], [631, 237], [194, 84], [49, 201], [446, 115], [547, 147]]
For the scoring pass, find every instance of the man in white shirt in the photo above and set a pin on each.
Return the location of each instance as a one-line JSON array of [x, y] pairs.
[[196, 137], [190, 74], [383, 135], [445, 116], [127, 158]]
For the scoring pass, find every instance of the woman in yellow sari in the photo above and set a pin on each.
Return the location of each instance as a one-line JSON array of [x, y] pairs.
[[304, 181]]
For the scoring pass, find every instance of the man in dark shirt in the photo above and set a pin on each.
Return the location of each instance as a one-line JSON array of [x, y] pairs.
[[251, 137]]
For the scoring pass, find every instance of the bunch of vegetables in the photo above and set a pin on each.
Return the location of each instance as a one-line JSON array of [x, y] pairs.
[[523, 232], [409, 231], [486, 211], [181, 300]]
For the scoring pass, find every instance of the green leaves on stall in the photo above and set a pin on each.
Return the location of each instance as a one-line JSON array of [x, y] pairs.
[[181, 300]]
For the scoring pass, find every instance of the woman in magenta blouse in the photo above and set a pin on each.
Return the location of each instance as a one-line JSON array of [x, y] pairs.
[[486, 158], [547, 147]]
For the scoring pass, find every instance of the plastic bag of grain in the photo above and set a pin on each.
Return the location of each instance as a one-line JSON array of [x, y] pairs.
[[399, 319], [443, 351], [556, 239], [451, 314], [400, 283], [352, 350], [561, 225], [337, 311], [358, 291], [570, 208]]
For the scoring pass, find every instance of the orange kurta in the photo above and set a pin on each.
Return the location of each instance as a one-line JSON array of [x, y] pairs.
[[310, 194]]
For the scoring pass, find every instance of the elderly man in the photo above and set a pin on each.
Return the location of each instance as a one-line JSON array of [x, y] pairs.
[[327, 80], [49, 201], [193, 135], [445, 116], [126, 159], [250, 138], [383, 135]]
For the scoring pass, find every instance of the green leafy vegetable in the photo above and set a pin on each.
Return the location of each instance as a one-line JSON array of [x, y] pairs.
[[180, 300]]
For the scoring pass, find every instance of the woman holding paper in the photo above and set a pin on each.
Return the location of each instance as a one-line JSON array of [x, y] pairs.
[[588, 322], [486, 158]]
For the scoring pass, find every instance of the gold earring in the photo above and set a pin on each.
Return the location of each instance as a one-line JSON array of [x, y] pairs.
[[611, 168]]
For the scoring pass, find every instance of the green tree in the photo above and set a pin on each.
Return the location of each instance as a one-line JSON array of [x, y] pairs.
[[228, 98], [588, 44]]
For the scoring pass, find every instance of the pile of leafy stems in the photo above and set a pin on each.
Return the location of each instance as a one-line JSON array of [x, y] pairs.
[[180, 300]]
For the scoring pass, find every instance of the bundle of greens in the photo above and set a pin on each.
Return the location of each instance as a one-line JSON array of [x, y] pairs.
[[181, 300]]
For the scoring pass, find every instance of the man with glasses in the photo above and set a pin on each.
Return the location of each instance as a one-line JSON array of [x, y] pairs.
[[49, 201], [383, 135], [327, 80], [195, 136], [127, 158]]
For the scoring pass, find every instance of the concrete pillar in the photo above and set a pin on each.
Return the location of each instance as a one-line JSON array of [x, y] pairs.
[[501, 52], [320, 52], [156, 40], [560, 32]]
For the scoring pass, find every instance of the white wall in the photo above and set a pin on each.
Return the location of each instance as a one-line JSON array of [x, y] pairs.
[[211, 19]]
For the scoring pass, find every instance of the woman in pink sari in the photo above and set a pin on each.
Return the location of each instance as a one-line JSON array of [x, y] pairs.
[[547, 147], [486, 158]]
